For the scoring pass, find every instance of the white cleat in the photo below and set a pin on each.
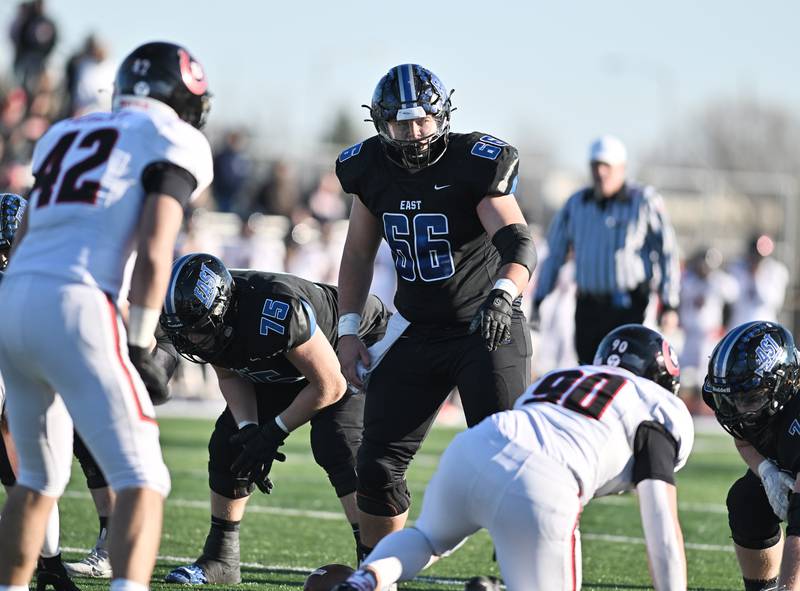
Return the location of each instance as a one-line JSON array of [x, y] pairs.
[[96, 565]]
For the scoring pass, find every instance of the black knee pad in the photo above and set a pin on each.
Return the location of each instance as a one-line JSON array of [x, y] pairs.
[[380, 492], [94, 476], [335, 439], [221, 454], [753, 523]]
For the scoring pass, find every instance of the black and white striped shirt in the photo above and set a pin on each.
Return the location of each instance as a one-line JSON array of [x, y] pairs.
[[618, 243]]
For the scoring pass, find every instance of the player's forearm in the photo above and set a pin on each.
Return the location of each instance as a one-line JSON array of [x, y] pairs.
[[749, 454], [158, 229], [311, 400], [663, 535], [239, 396], [355, 278], [790, 564], [516, 273]]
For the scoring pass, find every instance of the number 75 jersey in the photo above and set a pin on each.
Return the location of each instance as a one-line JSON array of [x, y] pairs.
[[587, 417], [85, 204]]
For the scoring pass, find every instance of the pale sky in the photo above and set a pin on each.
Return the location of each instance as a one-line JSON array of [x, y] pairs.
[[562, 71]]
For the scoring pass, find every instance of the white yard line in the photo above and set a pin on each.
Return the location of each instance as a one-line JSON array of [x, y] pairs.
[[334, 516]]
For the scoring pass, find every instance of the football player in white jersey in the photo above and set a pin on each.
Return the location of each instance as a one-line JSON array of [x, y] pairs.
[[106, 184], [526, 474]]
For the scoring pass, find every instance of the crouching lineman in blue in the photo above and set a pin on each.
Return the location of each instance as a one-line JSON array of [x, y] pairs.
[[752, 383], [526, 474]]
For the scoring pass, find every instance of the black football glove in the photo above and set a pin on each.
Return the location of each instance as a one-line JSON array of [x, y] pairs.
[[259, 449], [494, 319], [153, 376]]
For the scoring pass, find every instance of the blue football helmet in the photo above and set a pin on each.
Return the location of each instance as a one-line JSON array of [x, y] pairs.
[[199, 295], [406, 93], [753, 372], [12, 207]]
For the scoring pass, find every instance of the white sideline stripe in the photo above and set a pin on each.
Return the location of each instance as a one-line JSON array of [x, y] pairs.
[[331, 516], [205, 505], [640, 542]]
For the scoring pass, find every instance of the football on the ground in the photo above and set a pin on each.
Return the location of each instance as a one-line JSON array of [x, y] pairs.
[[326, 577]]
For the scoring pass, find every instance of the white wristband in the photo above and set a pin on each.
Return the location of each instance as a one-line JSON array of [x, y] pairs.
[[281, 424], [349, 323], [243, 424], [507, 286], [142, 323]]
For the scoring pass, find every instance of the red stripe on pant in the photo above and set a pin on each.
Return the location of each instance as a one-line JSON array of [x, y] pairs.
[[572, 544], [113, 308]]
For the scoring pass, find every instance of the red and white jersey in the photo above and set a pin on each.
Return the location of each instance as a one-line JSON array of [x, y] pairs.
[[85, 205], [586, 419]]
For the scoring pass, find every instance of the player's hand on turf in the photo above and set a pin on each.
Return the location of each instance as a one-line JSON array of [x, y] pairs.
[[153, 376], [259, 449], [494, 319], [778, 485], [350, 349]]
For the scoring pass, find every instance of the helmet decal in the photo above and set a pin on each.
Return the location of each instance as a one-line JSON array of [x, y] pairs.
[[670, 359], [192, 73], [768, 353], [205, 288]]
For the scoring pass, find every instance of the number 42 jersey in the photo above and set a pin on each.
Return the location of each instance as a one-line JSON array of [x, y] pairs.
[[88, 195], [587, 418], [445, 262]]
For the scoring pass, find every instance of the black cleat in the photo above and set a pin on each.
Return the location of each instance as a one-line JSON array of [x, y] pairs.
[[53, 575], [482, 584]]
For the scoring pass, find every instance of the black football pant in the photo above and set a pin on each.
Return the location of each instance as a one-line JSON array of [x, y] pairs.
[[753, 523], [409, 385], [596, 316], [335, 437]]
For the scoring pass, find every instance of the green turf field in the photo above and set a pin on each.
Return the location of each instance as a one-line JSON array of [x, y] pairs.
[[300, 527]]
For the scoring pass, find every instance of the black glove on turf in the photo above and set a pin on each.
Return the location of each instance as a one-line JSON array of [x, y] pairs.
[[259, 449], [494, 319], [153, 376]]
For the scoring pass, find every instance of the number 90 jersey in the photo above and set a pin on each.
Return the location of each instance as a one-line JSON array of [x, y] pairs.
[[445, 262], [85, 205], [587, 418]]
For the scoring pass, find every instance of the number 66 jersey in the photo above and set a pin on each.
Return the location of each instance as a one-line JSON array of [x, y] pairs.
[[587, 418], [92, 176]]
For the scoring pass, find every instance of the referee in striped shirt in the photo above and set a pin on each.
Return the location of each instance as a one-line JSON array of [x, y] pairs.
[[624, 247]]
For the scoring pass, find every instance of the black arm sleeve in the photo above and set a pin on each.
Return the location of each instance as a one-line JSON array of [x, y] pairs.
[[169, 179], [515, 245], [655, 453]]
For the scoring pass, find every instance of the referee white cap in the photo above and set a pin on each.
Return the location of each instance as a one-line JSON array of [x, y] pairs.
[[608, 149]]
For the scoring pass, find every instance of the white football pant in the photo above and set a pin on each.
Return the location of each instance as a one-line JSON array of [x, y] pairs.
[[527, 501], [68, 338]]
